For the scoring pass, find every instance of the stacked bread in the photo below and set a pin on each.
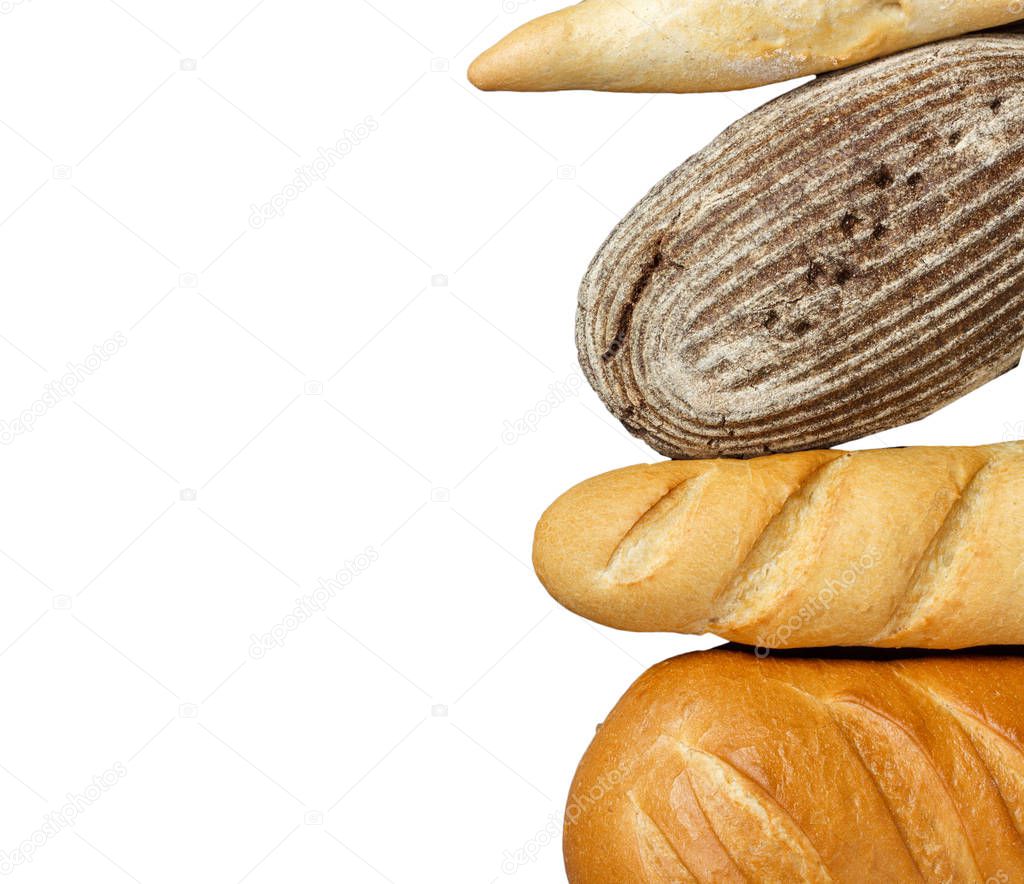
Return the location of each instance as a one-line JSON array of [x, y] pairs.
[[844, 260]]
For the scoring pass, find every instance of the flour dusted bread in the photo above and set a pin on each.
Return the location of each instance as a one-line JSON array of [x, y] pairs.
[[711, 45], [847, 258], [720, 767], [911, 547]]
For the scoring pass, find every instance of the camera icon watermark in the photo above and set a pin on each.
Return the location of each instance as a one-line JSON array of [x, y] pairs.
[[439, 65], [440, 495], [314, 388], [188, 280], [566, 173], [439, 710], [313, 818], [188, 710], [188, 64], [188, 494], [439, 281], [6, 8], [62, 603], [62, 173]]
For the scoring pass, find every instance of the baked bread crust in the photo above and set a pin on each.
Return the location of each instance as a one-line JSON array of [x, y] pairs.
[[721, 767], [714, 45], [845, 259], [906, 547]]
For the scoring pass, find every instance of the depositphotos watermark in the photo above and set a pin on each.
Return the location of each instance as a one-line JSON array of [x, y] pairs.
[[558, 394], [310, 605], [310, 173], [514, 860], [579, 803], [58, 391], [598, 791], [512, 6], [56, 821], [818, 605]]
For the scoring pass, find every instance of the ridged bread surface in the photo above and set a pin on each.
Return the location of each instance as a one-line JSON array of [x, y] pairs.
[[846, 259]]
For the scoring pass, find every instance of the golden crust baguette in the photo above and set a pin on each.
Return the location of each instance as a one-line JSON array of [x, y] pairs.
[[720, 767], [910, 547], [717, 45]]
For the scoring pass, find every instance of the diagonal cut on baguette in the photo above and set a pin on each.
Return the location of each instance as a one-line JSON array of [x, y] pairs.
[[717, 45], [903, 547], [718, 767]]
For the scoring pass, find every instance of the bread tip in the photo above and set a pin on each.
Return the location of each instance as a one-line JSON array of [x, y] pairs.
[[512, 64], [481, 73], [499, 68]]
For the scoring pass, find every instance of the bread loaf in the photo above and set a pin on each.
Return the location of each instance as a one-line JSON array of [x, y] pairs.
[[718, 767], [911, 547], [710, 45], [848, 258]]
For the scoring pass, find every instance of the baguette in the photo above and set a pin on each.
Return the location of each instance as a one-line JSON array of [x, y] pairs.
[[848, 258], [712, 45], [912, 547], [719, 767]]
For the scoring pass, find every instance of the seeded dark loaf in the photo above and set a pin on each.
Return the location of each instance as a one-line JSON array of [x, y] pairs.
[[847, 258]]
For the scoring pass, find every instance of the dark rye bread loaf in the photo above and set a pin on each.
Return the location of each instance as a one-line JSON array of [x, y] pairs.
[[847, 258]]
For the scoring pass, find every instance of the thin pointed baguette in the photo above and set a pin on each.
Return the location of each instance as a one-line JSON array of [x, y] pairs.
[[713, 45], [911, 547], [720, 767]]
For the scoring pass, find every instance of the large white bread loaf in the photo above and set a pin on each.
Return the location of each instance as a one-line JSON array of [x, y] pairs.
[[718, 767], [711, 45], [910, 547]]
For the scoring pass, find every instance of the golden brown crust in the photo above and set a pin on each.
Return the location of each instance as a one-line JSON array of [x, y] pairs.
[[712, 45], [912, 547], [719, 766]]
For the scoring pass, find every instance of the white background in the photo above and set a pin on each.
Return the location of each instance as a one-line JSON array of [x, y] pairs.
[[339, 382]]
